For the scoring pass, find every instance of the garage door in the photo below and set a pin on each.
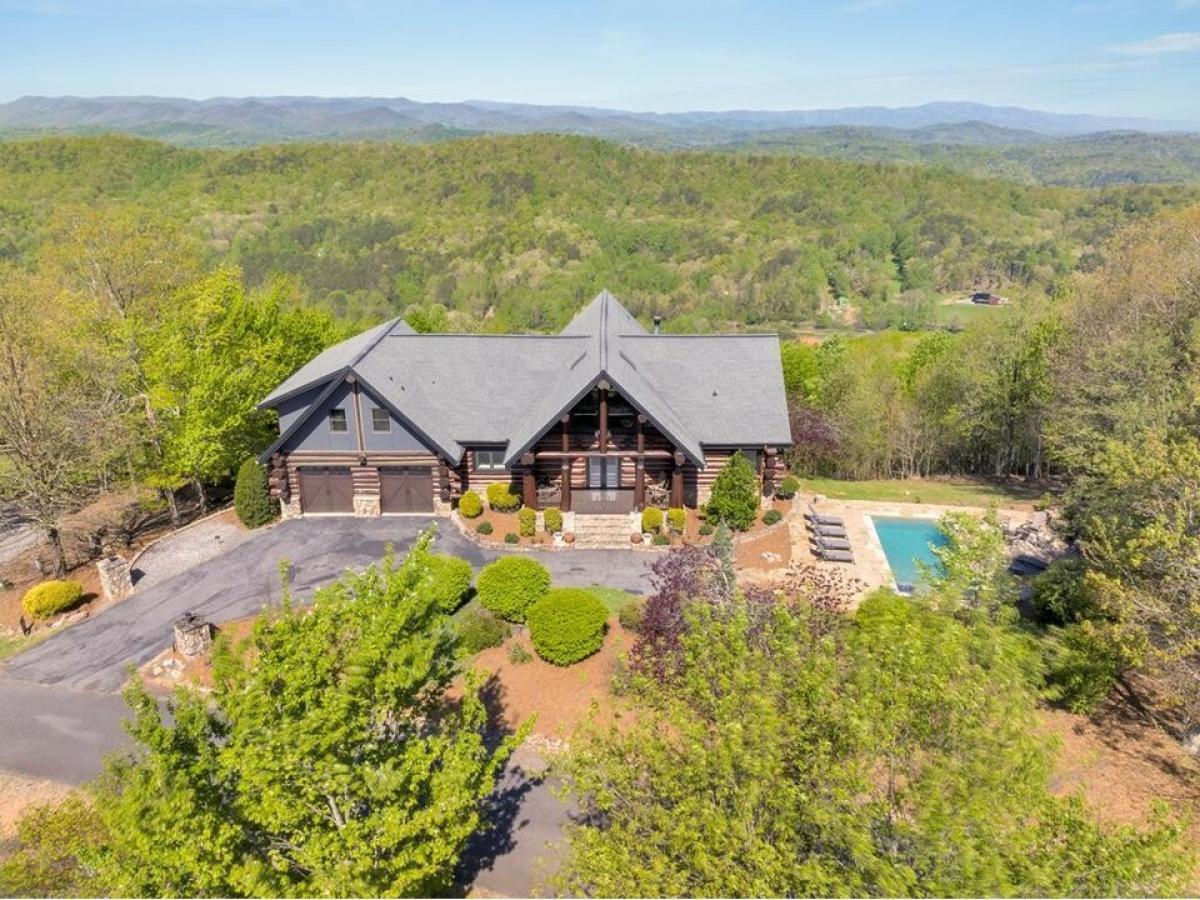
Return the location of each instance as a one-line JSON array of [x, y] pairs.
[[404, 489], [326, 490]]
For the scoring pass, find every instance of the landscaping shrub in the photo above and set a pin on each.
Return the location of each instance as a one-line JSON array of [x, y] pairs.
[[527, 522], [252, 499], [772, 516], [661, 540], [510, 584], [552, 519], [518, 654], [484, 528], [479, 629], [470, 505], [676, 520], [631, 614], [501, 498], [706, 529], [567, 625], [1081, 667], [652, 519], [788, 488], [512, 538], [734, 497], [449, 580], [50, 597]]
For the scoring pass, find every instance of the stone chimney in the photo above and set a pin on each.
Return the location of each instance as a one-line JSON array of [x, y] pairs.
[[658, 324]]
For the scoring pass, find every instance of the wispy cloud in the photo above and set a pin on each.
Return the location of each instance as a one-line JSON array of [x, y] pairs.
[[1177, 42]]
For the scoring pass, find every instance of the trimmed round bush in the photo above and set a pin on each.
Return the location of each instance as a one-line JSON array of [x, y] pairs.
[[511, 584], [552, 519], [676, 520], [479, 629], [252, 500], [661, 540], [527, 522], [448, 579], [484, 528], [470, 505], [501, 497], [567, 625], [771, 516], [652, 519], [788, 488], [512, 538], [706, 529], [51, 597]]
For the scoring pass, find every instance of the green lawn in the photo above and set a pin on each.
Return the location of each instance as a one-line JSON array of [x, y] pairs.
[[957, 492], [613, 598], [965, 313]]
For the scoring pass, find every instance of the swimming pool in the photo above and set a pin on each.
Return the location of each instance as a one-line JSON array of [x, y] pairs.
[[907, 542]]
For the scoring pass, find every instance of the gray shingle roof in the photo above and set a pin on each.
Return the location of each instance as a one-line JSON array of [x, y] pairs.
[[335, 359], [510, 389]]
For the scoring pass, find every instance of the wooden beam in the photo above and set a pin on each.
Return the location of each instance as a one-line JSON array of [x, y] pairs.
[[603, 420], [566, 433], [639, 482], [677, 485], [641, 434], [566, 485], [529, 485], [646, 454]]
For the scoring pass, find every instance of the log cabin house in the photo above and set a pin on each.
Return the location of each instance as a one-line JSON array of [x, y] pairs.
[[601, 418]]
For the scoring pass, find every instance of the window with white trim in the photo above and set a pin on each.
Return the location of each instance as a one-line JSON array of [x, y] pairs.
[[381, 422], [489, 460], [337, 421]]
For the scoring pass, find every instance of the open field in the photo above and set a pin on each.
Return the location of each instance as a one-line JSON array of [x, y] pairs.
[[939, 492]]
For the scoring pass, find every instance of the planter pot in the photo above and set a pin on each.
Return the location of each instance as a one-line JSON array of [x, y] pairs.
[[635, 538], [569, 538]]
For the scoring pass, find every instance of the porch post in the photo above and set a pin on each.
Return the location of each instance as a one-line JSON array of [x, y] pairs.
[[603, 420], [677, 482], [528, 482], [639, 483], [566, 464]]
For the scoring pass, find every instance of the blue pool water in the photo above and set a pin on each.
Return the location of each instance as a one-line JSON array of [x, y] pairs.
[[907, 542]]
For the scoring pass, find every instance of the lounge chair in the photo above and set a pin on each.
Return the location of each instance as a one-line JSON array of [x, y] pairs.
[[843, 556], [813, 516], [825, 543], [833, 531]]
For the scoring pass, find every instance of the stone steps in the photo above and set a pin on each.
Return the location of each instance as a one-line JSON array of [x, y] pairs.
[[602, 531]]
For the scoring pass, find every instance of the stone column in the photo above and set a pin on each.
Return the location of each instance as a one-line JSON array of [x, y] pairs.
[[193, 635], [116, 582]]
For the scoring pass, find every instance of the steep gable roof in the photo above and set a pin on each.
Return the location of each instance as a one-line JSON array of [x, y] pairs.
[[459, 389]]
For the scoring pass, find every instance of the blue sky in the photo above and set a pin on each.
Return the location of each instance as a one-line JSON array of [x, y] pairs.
[[1099, 56]]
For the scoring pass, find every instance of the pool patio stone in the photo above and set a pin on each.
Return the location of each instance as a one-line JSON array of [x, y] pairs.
[[870, 565]]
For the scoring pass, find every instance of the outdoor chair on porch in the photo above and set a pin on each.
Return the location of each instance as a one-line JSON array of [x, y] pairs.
[[549, 495], [658, 495]]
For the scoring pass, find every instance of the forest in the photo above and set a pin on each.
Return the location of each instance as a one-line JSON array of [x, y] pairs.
[[514, 233]]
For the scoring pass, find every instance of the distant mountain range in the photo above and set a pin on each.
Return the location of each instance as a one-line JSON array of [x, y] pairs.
[[251, 120]]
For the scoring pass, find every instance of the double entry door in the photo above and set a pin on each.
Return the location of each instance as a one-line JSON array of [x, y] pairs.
[[604, 492]]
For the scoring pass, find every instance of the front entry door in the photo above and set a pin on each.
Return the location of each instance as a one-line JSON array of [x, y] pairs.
[[604, 473], [604, 493]]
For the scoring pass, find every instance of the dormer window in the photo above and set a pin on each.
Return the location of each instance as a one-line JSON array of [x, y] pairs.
[[489, 460], [337, 421], [381, 422]]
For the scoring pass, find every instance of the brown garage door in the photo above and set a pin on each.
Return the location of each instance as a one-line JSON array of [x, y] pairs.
[[404, 489], [326, 489]]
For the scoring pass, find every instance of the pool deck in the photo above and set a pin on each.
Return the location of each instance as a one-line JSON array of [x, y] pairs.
[[870, 564]]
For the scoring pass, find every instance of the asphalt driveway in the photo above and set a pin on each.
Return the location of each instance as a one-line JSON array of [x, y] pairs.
[[94, 654]]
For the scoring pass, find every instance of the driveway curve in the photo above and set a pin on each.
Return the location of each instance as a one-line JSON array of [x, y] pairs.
[[96, 653]]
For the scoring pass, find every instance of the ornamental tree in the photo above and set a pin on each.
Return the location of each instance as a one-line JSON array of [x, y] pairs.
[[893, 756], [734, 497], [326, 761]]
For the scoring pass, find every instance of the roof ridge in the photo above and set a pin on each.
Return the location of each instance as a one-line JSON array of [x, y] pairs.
[[470, 334], [754, 334], [371, 345]]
